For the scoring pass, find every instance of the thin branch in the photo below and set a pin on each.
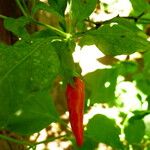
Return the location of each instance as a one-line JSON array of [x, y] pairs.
[[50, 139], [3, 17], [57, 31], [30, 143], [135, 18], [46, 141], [21, 8], [15, 140], [25, 7]]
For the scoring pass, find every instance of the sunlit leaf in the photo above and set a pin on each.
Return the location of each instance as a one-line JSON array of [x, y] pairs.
[[134, 131], [147, 125], [139, 7], [102, 85], [143, 78], [104, 130], [116, 38], [81, 9], [26, 70]]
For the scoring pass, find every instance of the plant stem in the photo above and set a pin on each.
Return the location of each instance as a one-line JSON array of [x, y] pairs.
[[25, 7], [30, 143], [21, 8], [46, 141], [15, 140], [136, 19], [49, 140], [57, 31], [3, 17]]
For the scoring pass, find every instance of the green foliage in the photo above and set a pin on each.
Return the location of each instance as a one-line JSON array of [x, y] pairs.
[[88, 144], [34, 113], [134, 131], [139, 7], [27, 69], [127, 67], [45, 33], [147, 125], [17, 26], [139, 114], [102, 129], [142, 83], [58, 5], [143, 79], [64, 52], [112, 38], [102, 85], [45, 7], [81, 9], [30, 68]]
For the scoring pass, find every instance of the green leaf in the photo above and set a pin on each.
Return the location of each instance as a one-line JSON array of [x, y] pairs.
[[139, 7], [116, 38], [147, 63], [128, 24], [58, 5], [46, 7], [143, 79], [104, 130], [140, 114], [34, 114], [142, 82], [25, 68], [17, 26], [144, 19], [64, 53], [45, 33], [81, 9], [88, 144], [147, 125], [102, 85], [134, 131], [127, 67]]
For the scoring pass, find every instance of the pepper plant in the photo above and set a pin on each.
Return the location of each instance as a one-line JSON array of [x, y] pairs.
[[29, 67]]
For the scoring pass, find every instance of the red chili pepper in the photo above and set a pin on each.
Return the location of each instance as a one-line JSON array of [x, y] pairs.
[[75, 101]]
